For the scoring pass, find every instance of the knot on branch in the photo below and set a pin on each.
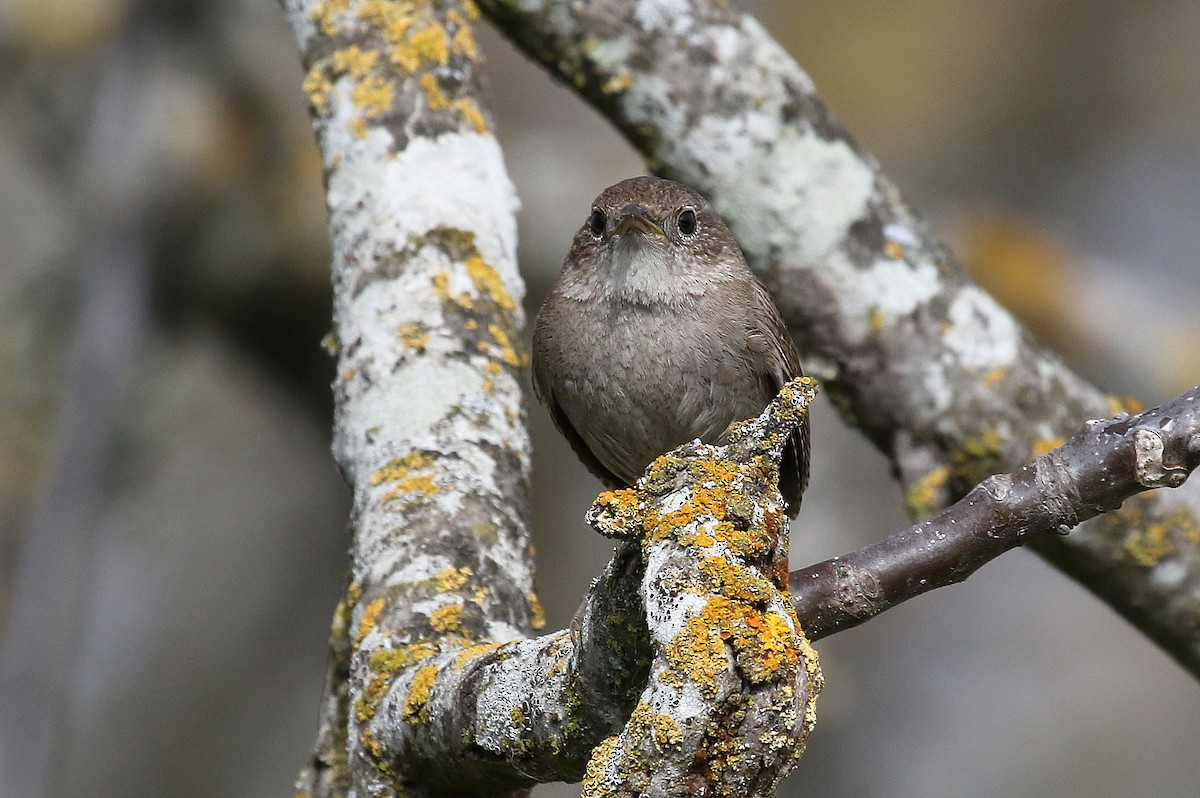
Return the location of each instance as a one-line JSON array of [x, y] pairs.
[[731, 697]]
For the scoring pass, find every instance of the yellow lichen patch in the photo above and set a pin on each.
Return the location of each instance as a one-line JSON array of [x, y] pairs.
[[373, 95], [400, 467], [493, 368], [446, 619], [976, 457], [765, 644], [662, 730], [339, 628], [349, 374], [1155, 537], [597, 767], [479, 594], [384, 665], [1150, 532], [537, 615], [353, 61], [993, 376], [400, 471], [414, 336], [317, 87], [1148, 546], [487, 281], [735, 581], [923, 497], [451, 578], [508, 351], [358, 127], [618, 83], [875, 319], [470, 112], [471, 652], [617, 514], [420, 47], [893, 249], [1124, 404], [417, 485], [366, 623], [698, 654], [463, 41], [416, 703], [434, 96], [1046, 445]]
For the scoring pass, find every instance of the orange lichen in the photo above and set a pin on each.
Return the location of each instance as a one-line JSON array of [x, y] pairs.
[[400, 472], [416, 703], [470, 112], [366, 622], [434, 96], [893, 249], [662, 731], [1124, 404], [414, 336], [471, 652], [508, 350], [597, 766], [317, 87], [373, 95], [698, 653], [353, 61], [446, 619], [487, 281], [736, 581], [1046, 445], [419, 47], [452, 578]]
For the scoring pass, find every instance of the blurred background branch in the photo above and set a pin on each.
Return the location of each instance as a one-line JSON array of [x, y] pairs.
[[1052, 144]]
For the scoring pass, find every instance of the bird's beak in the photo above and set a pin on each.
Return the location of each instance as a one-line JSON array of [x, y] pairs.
[[634, 219]]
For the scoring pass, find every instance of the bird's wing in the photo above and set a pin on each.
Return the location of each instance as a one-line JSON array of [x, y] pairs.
[[782, 364]]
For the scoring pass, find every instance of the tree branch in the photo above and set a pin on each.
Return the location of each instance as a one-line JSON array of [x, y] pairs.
[[926, 364], [730, 700], [429, 428], [1098, 468]]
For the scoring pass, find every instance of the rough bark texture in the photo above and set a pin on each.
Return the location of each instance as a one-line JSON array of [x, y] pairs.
[[926, 364], [1095, 471], [429, 429], [732, 692]]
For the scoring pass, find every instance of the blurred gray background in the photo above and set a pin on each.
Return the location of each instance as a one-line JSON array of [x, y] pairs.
[[164, 402]]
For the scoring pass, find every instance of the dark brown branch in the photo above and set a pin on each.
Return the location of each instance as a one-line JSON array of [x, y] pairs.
[[1092, 473]]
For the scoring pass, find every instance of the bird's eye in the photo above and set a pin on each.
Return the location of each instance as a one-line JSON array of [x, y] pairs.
[[687, 221], [597, 222]]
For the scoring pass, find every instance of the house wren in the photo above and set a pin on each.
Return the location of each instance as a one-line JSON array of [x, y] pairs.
[[657, 333]]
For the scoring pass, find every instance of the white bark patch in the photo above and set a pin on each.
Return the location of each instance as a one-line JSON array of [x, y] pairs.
[[668, 15], [983, 335], [885, 292], [456, 180], [808, 223]]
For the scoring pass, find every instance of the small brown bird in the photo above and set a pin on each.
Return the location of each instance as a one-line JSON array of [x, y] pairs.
[[657, 333]]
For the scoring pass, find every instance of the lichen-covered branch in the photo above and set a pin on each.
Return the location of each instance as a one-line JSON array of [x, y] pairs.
[[1101, 466], [429, 429], [731, 697], [926, 364]]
